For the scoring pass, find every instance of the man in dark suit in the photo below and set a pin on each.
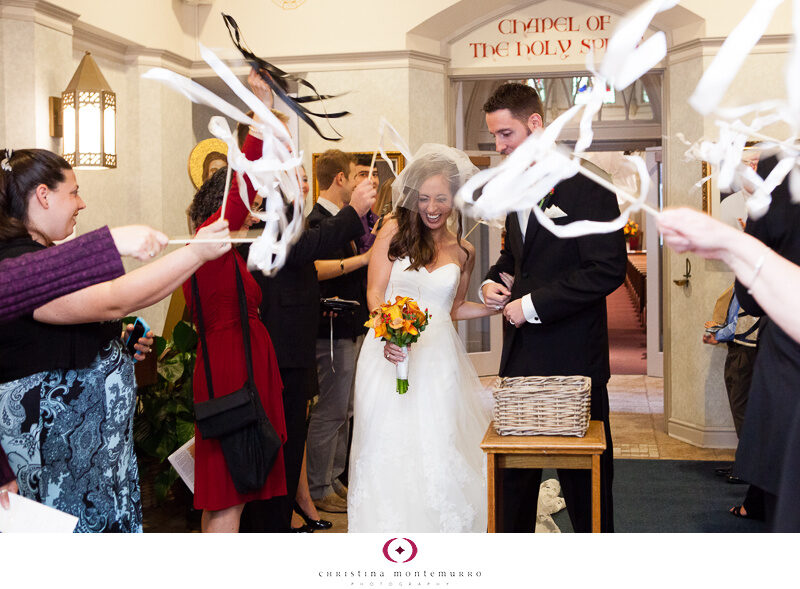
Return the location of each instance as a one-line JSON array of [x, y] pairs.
[[556, 308], [329, 425], [290, 310]]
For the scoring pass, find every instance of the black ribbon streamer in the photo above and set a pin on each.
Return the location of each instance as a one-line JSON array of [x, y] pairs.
[[277, 79]]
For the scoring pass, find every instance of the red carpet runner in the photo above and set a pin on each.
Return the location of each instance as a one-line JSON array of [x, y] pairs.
[[627, 339]]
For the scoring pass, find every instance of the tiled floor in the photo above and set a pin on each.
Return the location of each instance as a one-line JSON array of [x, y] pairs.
[[638, 427]]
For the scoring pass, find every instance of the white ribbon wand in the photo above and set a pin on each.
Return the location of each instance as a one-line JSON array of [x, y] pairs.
[[398, 141]]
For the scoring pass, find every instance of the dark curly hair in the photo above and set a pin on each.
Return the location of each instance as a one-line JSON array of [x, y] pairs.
[[208, 198]]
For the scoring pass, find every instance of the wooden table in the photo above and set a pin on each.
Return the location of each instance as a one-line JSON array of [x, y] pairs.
[[541, 452]]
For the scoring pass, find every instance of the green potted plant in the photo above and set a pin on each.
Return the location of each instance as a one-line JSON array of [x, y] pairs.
[[164, 418]]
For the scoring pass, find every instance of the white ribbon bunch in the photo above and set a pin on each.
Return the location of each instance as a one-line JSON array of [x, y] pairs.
[[725, 154], [274, 175], [538, 164]]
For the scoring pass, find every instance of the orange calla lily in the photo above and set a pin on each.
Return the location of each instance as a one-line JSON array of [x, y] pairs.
[[395, 312], [410, 327]]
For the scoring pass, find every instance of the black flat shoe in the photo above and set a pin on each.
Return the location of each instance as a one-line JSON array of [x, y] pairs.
[[312, 524], [304, 529]]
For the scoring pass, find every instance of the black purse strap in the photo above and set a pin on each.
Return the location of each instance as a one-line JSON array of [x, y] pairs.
[[245, 328], [248, 354]]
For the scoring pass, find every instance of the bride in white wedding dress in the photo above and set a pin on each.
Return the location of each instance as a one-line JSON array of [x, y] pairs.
[[416, 464]]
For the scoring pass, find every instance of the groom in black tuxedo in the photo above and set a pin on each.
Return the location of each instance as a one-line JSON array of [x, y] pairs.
[[556, 308]]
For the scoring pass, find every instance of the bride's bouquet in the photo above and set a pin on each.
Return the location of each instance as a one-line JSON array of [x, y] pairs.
[[400, 323]]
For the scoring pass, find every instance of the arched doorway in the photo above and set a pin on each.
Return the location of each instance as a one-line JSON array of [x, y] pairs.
[[637, 120]]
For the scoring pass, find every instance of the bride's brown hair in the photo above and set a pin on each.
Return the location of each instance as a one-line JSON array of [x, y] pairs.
[[413, 238]]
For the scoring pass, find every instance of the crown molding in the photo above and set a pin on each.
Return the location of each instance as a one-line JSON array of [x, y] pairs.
[[39, 12], [709, 46], [147, 57], [86, 37], [124, 51], [371, 60]]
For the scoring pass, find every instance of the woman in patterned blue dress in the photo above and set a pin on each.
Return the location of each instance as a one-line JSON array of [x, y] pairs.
[[67, 389]]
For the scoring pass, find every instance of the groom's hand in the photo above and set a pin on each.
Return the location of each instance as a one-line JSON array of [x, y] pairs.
[[495, 295], [514, 314]]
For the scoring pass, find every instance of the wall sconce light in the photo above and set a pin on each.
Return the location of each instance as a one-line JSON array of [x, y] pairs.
[[88, 113], [685, 280]]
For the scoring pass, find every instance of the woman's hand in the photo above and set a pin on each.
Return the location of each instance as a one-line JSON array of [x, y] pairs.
[[217, 231], [393, 353], [11, 487], [689, 230], [145, 344], [138, 241], [260, 88]]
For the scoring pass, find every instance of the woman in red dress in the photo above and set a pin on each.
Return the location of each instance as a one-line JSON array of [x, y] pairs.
[[214, 491]]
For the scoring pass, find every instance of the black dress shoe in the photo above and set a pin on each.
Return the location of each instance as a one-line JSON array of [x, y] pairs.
[[304, 529], [312, 524], [724, 471], [734, 480]]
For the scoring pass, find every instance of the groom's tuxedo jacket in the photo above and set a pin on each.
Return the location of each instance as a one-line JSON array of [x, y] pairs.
[[568, 280]]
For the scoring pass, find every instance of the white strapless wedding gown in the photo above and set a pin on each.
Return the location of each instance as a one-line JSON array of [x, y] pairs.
[[416, 464]]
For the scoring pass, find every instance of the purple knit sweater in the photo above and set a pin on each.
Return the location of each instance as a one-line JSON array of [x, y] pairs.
[[31, 280]]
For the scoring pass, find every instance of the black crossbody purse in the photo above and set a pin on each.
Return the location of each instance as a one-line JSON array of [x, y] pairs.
[[249, 442]]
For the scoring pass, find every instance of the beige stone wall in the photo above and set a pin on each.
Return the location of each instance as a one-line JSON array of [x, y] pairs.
[[154, 132], [696, 402], [411, 99]]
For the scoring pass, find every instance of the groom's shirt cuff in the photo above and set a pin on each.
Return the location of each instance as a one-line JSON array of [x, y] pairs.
[[531, 316]]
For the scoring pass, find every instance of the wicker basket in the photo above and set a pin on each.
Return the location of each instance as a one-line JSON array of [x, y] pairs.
[[542, 405]]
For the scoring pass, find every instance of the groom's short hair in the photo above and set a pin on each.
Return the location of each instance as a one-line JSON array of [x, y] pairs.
[[521, 101]]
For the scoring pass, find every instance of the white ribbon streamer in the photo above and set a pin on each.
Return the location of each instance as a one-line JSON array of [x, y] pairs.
[[274, 175], [627, 58], [536, 166], [729, 60], [386, 127]]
